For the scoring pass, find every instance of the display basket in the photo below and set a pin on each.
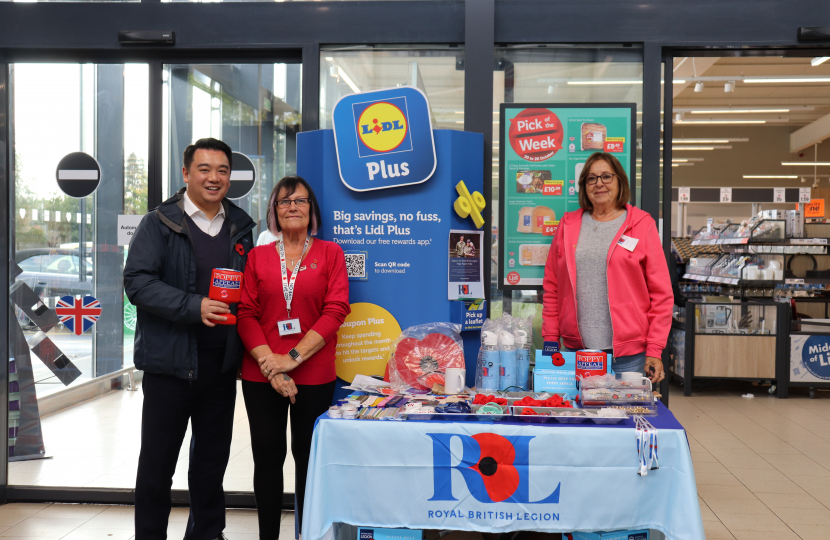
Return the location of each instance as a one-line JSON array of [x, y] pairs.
[[560, 415], [460, 417]]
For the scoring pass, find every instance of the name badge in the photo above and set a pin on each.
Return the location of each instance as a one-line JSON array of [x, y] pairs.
[[626, 242], [289, 326]]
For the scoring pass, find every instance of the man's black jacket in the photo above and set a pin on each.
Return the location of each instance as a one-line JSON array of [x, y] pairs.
[[160, 280]]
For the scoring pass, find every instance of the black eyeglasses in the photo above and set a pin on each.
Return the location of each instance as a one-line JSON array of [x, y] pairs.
[[300, 202], [593, 179]]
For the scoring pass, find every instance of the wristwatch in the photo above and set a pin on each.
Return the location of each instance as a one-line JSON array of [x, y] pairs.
[[295, 355]]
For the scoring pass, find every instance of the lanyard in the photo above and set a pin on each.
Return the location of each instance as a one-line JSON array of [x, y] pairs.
[[288, 286]]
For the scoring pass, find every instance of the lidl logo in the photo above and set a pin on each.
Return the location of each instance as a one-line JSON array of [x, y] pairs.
[[383, 127], [384, 139]]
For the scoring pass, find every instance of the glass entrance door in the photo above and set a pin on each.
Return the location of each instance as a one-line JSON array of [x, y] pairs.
[[72, 124]]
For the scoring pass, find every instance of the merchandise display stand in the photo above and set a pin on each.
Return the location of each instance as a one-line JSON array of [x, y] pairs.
[[802, 264], [443, 475], [725, 340]]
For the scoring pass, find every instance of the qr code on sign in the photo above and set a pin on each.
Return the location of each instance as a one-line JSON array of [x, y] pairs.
[[356, 265]]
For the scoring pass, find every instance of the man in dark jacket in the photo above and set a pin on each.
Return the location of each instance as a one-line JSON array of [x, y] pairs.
[[190, 363]]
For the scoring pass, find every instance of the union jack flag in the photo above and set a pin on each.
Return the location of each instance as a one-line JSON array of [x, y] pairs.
[[78, 315]]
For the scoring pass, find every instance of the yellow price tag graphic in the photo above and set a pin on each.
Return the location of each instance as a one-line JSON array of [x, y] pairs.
[[469, 205]]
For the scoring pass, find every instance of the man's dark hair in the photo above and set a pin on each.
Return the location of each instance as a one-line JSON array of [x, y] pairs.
[[208, 143]]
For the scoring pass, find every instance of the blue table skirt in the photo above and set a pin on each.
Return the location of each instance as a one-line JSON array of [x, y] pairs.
[[498, 477]]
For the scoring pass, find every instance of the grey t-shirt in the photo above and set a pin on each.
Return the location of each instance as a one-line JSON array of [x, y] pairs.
[[592, 281]]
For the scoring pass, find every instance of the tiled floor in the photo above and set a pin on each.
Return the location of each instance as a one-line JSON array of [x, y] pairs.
[[96, 444], [762, 467], [24, 521]]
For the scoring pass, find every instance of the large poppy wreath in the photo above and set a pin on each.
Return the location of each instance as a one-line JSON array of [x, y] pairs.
[[420, 363]]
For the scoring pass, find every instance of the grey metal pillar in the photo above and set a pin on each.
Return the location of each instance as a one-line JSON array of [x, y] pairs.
[[5, 192], [479, 50], [181, 124], [109, 203], [652, 73], [311, 87]]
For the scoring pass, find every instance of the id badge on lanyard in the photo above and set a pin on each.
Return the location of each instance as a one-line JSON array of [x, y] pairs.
[[289, 326]]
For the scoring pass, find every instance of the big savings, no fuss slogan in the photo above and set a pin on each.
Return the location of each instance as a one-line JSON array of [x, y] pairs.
[[384, 139]]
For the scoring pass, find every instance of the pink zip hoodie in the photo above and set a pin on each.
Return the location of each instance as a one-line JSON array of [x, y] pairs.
[[639, 287]]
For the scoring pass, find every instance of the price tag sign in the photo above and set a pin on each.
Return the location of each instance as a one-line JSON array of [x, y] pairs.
[[814, 208], [779, 195], [804, 195], [614, 144], [684, 194], [553, 187], [549, 228], [726, 194]]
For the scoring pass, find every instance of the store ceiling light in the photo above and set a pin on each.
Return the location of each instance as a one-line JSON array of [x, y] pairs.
[[348, 80], [740, 111], [726, 121], [776, 80], [729, 86], [682, 148], [818, 60], [601, 82], [679, 81], [705, 141], [805, 163], [699, 87], [771, 176], [678, 117]]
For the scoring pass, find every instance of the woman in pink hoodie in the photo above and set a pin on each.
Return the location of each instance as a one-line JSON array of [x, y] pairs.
[[606, 280]]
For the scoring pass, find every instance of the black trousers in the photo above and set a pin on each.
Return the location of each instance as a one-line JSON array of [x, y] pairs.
[[169, 403], [268, 413]]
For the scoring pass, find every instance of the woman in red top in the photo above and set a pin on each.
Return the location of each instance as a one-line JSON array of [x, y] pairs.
[[295, 296]]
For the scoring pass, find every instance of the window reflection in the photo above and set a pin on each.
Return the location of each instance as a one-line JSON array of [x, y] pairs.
[[437, 71], [254, 108]]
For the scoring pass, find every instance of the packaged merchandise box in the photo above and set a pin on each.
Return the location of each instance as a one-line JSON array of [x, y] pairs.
[[377, 533], [613, 535]]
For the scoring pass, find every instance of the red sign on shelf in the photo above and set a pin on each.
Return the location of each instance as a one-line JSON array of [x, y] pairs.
[[615, 144], [553, 187]]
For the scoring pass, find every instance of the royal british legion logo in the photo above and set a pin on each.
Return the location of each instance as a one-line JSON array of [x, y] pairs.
[[494, 468]]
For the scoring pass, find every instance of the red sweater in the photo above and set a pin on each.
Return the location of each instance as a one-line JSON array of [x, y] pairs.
[[321, 302]]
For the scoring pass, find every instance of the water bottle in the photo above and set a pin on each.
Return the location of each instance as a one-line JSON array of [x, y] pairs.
[[507, 361], [489, 361], [522, 359]]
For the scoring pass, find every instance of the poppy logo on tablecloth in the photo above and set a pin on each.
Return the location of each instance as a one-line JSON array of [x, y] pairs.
[[494, 468]]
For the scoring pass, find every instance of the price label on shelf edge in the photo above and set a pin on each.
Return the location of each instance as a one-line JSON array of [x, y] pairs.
[[726, 194], [779, 195], [684, 195]]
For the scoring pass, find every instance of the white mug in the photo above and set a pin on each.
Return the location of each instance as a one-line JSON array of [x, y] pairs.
[[454, 380]]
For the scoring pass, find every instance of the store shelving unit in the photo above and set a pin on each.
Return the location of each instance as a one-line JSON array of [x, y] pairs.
[[745, 340]]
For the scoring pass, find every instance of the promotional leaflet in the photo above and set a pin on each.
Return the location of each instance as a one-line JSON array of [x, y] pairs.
[[542, 152], [466, 273]]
